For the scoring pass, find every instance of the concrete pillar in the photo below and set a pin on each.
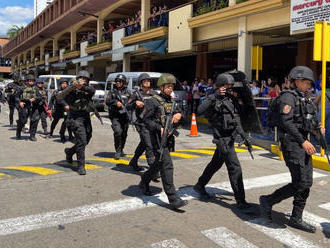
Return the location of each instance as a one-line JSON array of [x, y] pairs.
[[42, 52], [201, 61], [127, 63], [73, 40], [244, 48], [32, 55], [55, 47], [232, 2], [100, 24], [145, 14]]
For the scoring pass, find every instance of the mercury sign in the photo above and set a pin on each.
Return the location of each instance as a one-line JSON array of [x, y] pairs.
[[305, 12]]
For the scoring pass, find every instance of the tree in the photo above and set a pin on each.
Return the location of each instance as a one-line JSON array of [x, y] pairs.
[[13, 31]]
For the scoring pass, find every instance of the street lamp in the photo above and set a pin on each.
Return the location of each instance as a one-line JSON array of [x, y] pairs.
[[87, 14]]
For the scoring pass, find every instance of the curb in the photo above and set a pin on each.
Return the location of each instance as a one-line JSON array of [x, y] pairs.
[[317, 161]]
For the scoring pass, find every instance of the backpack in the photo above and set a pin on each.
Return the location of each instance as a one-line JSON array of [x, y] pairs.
[[273, 115]]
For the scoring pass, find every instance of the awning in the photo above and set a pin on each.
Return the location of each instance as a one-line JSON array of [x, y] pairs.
[[157, 46], [83, 59], [122, 50]]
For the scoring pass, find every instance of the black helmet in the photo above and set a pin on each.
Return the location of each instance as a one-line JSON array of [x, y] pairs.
[[30, 78], [84, 74], [302, 72], [142, 77], [238, 76], [121, 77], [15, 76], [64, 81], [224, 78]]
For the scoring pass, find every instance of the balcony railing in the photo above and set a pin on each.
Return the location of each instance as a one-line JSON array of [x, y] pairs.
[[205, 6]]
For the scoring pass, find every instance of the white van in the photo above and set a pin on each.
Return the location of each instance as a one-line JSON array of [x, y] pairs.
[[132, 78], [52, 82], [98, 97]]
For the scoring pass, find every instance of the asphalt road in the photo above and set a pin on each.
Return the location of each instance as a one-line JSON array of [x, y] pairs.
[[44, 203]]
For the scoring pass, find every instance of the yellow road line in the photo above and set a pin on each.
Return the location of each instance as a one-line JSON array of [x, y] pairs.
[[240, 150], [110, 160], [4, 176], [213, 148], [92, 167], [236, 145], [131, 156], [183, 155], [37, 170], [197, 151]]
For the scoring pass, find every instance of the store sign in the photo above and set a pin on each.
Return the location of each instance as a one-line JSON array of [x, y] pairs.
[[304, 13]]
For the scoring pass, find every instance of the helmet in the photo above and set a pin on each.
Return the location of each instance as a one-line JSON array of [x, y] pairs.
[[238, 76], [39, 81], [22, 78], [64, 81], [15, 76], [224, 78], [302, 72], [121, 77], [84, 73], [30, 78], [166, 78], [142, 77]]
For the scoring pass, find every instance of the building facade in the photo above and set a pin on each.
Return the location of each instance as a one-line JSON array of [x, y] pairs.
[[188, 38], [39, 6], [5, 63]]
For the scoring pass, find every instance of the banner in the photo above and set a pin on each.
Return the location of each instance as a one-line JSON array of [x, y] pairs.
[[116, 43], [83, 53], [304, 13]]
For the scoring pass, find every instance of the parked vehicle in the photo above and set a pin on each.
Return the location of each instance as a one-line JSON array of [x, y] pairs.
[[52, 82], [99, 96], [132, 77]]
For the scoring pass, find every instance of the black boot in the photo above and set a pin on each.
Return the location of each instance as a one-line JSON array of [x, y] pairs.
[[245, 207], [202, 192], [265, 207], [68, 155], [297, 222], [45, 132], [33, 138], [178, 203], [81, 170], [117, 155], [118, 147], [133, 163], [18, 135], [145, 188], [63, 139]]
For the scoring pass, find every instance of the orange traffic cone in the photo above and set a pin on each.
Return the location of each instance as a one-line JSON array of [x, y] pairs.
[[193, 127]]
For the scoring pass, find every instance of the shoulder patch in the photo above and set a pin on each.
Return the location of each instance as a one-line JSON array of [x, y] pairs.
[[286, 109]]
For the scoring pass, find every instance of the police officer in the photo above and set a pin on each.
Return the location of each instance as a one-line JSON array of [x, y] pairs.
[[117, 100], [2, 98], [42, 99], [295, 123], [78, 97], [29, 108], [12, 91], [158, 107], [137, 103], [59, 112], [220, 109]]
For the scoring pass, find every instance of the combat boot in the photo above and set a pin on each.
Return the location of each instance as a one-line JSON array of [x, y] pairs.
[[297, 222], [18, 135], [134, 165], [178, 203], [145, 188], [68, 156], [33, 138], [63, 139], [202, 192], [265, 207], [245, 207], [117, 155], [81, 170], [45, 132]]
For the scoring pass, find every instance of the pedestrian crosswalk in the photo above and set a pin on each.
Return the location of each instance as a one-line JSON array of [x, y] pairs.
[[17, 171]]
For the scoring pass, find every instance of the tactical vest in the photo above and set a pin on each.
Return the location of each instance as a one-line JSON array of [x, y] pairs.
[[81, 101], [29, 93], [43, 93], [223, 117], [164, 108]]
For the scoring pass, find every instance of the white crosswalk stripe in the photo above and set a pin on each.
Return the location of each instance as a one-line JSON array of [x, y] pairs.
[[66, 216], [226, 238], [280, 234], [170, 243], [325, 206]]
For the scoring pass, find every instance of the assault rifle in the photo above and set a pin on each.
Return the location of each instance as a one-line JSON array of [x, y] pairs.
[[323, 143], [96, 113], [123, 110], [245, 141], [141, 99], [168, 131]]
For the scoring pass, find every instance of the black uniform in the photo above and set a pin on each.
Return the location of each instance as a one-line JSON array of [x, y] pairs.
[[58, 113], [42, 98], [2, 99], [221, 111], [31, 109], [157, 108], [141, 126], [78, 119], [296, 122], [13, 92], [119, 116]]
